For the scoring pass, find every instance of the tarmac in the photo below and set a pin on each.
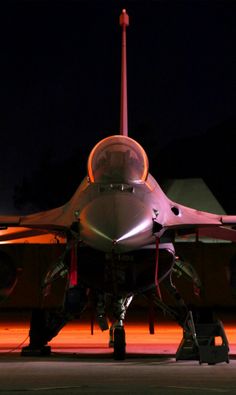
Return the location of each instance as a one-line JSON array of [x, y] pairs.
[[82, 363]]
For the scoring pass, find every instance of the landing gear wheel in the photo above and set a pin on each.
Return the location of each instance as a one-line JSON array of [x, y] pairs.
[[119, 344]]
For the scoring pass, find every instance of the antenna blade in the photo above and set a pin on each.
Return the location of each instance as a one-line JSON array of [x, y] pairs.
[[124, 21]]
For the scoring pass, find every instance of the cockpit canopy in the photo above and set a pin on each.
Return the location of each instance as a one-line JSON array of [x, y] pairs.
[[118, 159]]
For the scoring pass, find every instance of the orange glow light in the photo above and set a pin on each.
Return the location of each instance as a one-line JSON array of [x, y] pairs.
[[21, 235], [76, 337]]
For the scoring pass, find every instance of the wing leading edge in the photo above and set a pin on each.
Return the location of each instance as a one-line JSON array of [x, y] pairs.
[[41, 227], [204, 223]]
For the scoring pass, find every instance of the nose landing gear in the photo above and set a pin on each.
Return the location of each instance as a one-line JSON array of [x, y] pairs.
[[119, 343], [117, 340], [116, 330]]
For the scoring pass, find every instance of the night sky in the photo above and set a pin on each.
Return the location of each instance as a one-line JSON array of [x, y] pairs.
[[60, 84]]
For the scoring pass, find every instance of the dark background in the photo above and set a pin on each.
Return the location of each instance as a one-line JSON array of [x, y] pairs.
[[60, 93]]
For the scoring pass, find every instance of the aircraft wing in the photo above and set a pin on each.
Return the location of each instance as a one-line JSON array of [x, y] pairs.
[[218, 232], [206, 224], [38, 228], [56, 219], [27, 235]]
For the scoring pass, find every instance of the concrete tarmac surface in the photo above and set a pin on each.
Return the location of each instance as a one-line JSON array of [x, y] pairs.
[[70, 374], [83, 364]]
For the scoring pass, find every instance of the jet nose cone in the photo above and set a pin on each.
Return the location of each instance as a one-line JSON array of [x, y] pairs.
[[116, 222]]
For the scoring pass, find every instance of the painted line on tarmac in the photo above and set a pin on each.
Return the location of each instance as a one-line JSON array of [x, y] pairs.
[[220, 390]]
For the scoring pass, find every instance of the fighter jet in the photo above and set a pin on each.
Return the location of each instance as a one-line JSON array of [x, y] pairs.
[[118, 230]]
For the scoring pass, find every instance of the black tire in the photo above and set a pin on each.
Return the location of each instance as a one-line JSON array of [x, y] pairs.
[[119, 344], [151, 327]]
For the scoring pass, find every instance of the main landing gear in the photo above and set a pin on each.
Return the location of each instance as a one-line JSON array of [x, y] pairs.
[[46, 324]]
